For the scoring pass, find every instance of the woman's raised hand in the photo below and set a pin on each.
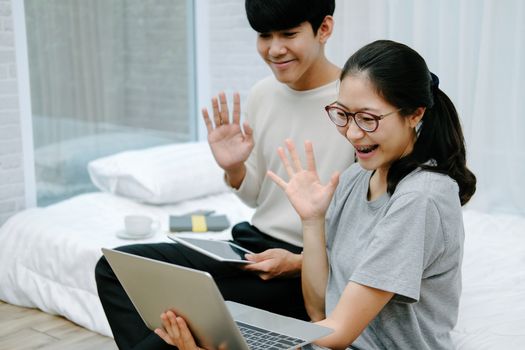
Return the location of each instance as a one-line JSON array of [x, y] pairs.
[[229, 144], [308, 195]]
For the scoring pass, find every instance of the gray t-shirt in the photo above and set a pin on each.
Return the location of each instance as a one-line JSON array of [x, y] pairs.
[[411, 244]]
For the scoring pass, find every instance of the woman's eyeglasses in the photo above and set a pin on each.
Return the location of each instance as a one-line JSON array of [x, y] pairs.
[[365, 121]]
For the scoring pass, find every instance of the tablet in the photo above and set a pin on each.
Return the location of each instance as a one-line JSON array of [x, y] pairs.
[[219, 250]]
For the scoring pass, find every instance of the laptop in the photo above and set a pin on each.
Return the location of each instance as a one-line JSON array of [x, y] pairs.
[[155, 286]]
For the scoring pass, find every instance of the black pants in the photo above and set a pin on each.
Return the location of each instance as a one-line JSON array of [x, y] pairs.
[[282, 296]]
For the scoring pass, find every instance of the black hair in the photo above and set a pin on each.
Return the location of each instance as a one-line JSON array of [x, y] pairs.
[[271, 15], [401, 76]]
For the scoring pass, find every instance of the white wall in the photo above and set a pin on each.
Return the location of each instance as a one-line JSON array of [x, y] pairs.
[[227, 59], [11, 157], [234, 62]]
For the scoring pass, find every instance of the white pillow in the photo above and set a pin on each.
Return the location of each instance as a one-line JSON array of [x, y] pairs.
[[160, 175]]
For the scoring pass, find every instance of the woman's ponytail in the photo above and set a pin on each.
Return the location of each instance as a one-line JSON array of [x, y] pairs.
[[442, 140]]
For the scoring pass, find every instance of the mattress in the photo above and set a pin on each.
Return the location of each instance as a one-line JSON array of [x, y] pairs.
[[48, 255], [492, 304], [47, 258]]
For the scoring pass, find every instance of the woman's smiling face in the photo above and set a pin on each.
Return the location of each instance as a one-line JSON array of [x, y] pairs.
[[394, 137]]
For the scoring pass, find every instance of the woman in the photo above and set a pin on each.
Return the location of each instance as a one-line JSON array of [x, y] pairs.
[[383, 244]]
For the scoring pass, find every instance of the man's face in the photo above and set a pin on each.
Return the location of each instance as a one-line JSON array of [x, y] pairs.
[[292, 55]]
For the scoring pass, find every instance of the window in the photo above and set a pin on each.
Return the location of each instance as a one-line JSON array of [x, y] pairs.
[[106, 76]]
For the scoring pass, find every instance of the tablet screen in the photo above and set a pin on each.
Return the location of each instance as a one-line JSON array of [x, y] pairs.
[[221, 249]]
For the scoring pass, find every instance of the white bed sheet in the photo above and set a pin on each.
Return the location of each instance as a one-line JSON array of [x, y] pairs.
[[492, 305], [48, 255], [47, 258]]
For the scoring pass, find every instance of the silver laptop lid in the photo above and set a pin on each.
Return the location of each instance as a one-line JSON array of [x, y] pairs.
[[154, 286]]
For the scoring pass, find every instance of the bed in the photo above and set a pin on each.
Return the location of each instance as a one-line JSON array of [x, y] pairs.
[[47, 255], [492, 304]]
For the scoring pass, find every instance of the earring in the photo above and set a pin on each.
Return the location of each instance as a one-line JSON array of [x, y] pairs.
[[418, 128]]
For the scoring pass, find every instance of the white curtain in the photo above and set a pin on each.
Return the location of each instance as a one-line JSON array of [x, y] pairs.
[[477, 48]]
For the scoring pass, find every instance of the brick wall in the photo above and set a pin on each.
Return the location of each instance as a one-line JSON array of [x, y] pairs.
[[235, 64], [11, 164], [156, 33]]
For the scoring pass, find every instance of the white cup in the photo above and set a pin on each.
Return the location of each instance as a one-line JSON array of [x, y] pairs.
[[139, 225]]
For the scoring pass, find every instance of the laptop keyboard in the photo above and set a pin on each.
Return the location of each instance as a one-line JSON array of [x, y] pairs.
[[263, 339]]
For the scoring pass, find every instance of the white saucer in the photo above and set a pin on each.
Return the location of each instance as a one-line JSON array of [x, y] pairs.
[[124, 235]]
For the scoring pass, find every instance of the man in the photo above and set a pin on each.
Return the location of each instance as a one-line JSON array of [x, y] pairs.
[[291, 38]]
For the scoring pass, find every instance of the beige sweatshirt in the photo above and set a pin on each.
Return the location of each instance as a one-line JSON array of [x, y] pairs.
[[276, 112]]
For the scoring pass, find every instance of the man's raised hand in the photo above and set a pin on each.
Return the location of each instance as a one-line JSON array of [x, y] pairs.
[[229, 144]]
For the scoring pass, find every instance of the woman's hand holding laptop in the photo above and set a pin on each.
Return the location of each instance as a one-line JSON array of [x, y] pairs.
[[177, 333]]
